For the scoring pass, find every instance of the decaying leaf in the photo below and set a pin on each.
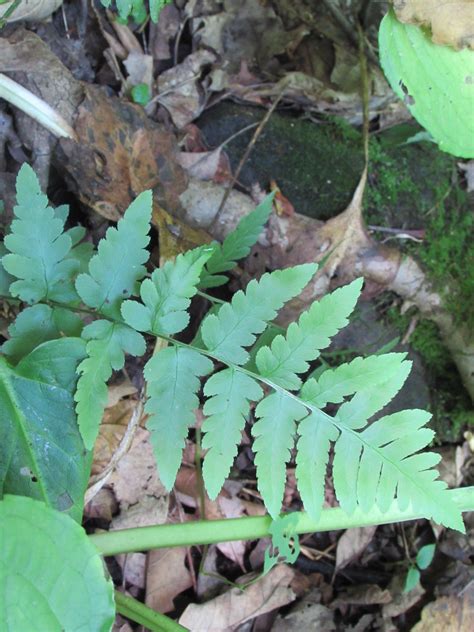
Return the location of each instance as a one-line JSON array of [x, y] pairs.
[[135, 476], [166, 577], [448, 614], [451, 23], [236, 606], [179, 88], [353, 543]]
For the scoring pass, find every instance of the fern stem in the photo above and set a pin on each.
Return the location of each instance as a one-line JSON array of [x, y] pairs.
[[252, 528], [138, 612]]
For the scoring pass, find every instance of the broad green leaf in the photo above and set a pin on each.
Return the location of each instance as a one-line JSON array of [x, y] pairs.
[[167, 295], [274, 434], [412, 580], [236, 324], [425, 556], [236, 245], [229, 393], [335, 384], [315, 436], [118, 265], [108, 342], [39, 249], [41, 451], [51, 577], [38, 324], [291, 354], [172, 377], [435, 82]]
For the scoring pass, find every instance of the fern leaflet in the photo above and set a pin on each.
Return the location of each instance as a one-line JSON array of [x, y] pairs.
[[39, 248], [5, 279], [236, 324], [172, 383], [108, 342], [118, 265], [275, 437], [290, 354], [167, 295], [229, 393], [236, 245], [37, 324], [346, 379]]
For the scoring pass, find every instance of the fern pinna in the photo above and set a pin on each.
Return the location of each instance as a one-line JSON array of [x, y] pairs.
[[235, 363]]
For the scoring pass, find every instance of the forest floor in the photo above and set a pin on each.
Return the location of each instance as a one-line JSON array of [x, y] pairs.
[[200, 82]]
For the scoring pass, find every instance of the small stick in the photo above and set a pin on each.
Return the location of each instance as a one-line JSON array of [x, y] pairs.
[[244, 158]]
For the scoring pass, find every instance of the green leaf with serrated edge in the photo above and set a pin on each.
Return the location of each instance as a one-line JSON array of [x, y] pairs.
[[274, 434], [315, 436], [285, 545], [167, 295], [41, 451], [38, 247], [48, 572], [229, 394], [172, 377], [290, 354], [264, 340], [118, 264], [108, 343], [236, 324], [5, 278], [434, 81], [346, 379], [236, 245], [425, 556], [38, 324], [412, 580]]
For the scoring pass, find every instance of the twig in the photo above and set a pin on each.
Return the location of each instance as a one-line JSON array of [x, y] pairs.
[[244, 158]]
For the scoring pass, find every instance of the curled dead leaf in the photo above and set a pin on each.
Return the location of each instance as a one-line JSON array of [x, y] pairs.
[[451, 23]]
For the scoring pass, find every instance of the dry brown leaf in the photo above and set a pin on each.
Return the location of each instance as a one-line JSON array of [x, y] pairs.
[[111, 431], [451, 22], [135, 476], [363, 595], [118, 391], [352, 543], [179, 88], [236, 606], [120, 153], [311, 617], [139, 69], [166, 577], [448, 614], [207, 165]]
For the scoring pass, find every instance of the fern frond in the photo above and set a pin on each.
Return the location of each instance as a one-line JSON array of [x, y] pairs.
[[236, 324], [290, 354], [229, 393], [348, 378], [37, 324], [118, 265], [236, 245], [108, 342], [172, 377], [274, 438], [38, 246], [167, 295]]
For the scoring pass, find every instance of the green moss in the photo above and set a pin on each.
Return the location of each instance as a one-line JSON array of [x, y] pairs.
[[450, 404]]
